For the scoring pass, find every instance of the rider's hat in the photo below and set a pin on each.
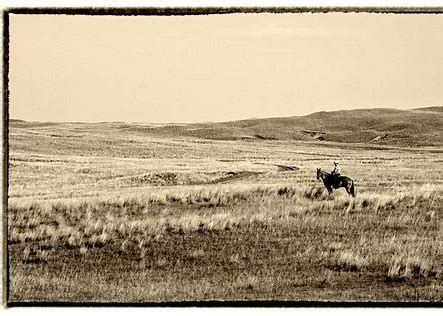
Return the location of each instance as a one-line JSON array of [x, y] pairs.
[[335, 162]]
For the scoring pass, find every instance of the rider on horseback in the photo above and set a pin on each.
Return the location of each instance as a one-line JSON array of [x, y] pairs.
[[336, 172]]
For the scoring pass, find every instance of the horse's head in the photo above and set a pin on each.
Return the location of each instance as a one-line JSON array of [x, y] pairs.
[[321, 174]]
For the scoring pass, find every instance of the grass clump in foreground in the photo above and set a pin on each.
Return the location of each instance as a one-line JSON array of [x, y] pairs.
[[402, 268], [273, 242]]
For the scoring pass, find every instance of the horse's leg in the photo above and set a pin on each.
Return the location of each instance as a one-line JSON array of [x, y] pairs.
[[347, 188], [352, 189], [327, 186]]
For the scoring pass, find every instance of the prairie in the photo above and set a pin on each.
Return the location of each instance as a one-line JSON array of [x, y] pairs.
[[121, 212]]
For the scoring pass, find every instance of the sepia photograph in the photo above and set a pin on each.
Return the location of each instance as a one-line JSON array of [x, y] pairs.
[[223, 156]]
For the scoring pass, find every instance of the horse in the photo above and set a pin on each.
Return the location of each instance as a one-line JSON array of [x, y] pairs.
[[331, 182]]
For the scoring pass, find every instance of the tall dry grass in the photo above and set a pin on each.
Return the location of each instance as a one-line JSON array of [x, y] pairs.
[[129, 224]]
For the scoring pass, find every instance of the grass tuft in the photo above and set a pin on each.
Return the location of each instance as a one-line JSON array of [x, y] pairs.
[[348, 260], [410, 267]]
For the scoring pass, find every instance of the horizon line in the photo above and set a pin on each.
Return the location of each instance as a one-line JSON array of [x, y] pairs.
[[235, 120]]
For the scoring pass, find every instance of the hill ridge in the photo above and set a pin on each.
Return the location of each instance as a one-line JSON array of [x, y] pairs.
[[385, 126]]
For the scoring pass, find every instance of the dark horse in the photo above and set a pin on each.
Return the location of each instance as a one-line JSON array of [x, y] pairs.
[[331, 182]]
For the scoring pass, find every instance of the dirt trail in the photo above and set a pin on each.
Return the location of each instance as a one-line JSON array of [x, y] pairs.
[[232, 176], [287, 168], [235, 176]]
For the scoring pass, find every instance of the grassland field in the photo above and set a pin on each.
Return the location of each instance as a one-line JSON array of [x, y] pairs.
[[102, 214]]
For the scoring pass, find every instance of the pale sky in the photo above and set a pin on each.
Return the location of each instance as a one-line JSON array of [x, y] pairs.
[[220, 67]]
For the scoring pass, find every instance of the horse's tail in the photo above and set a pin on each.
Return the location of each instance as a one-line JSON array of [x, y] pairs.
[[352, 189]]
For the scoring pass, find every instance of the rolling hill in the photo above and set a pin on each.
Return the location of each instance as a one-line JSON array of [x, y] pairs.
[[417, 127], [384, 126]]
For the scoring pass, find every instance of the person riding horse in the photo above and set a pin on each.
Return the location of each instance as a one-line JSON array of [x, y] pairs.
[[336, 171], [334, 180]]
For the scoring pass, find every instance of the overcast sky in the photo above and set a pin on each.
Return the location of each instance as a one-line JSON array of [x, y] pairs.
[[219, 68]]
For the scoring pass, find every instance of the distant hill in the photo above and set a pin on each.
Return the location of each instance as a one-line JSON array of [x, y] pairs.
[[417, 127], [384, 126], [431, 109]]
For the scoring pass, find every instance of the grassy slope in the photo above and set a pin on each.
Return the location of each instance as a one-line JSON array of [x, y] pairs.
[[402, 128], [107, 212], [281, 243], [431, 109], [418, 127]]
